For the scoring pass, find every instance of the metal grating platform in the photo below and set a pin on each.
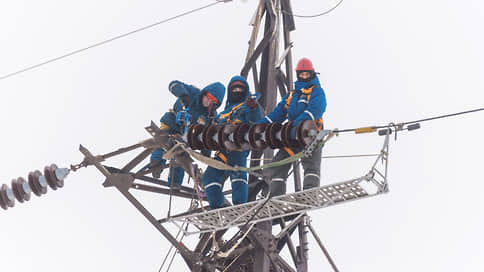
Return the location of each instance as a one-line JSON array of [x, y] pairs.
[[371, 184], [280, 206]]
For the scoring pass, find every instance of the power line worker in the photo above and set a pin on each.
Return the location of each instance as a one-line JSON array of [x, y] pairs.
[[192, 106], [240, 107], [306, 102]]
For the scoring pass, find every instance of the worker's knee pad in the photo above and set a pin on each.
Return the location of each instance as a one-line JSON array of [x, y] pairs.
[[239, 191], [311, 180], [214, 194], [277, 187]]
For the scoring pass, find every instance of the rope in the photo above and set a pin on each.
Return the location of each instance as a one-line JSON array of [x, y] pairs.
[[228, 252], [222, 166], [231, 263], [169, 251], [196, 185], [171, 190], [172, 152], [250, 219], [173, 257], [292, 170], [208, 161], [111, 39]]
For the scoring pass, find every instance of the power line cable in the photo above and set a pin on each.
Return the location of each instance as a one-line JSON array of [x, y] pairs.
[[314, 15], [112, 39], [442, 116], [415, 121]]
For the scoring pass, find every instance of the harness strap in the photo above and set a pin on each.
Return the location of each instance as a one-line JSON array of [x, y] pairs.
[[307, 92], [289, 151], [319, 123], [288, 99], [221, 156], [228, 114]]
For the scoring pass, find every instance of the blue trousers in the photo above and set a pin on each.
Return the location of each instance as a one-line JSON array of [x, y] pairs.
[[213, 178], [176, 173]]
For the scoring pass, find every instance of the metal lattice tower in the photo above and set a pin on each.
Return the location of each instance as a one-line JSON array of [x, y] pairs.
[[254, 247]]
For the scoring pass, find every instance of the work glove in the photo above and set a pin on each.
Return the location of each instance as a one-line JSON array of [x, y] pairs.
[[185, 99], [157, 172], [251, 103]]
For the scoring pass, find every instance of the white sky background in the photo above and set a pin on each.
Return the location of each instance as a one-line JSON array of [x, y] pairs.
[[380, 61]]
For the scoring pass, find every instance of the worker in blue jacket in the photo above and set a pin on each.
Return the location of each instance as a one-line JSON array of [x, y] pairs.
[[306, 102], [198, 106], [240, 107]]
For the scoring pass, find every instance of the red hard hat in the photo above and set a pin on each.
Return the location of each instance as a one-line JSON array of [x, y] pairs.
[[304, 64]]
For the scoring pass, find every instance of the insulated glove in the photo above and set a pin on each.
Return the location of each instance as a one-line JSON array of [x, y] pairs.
[[251, 103]]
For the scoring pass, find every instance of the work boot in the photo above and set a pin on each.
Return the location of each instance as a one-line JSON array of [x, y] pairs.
[[277, 187], [311, 181], [224, 205]]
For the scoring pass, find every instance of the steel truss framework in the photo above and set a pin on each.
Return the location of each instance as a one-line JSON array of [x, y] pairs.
[[371, 184], [258, 248], [289, 211]]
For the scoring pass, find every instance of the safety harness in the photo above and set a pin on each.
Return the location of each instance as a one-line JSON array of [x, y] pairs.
[[221, 156], [306, 94], [229, 114], [234, 109]]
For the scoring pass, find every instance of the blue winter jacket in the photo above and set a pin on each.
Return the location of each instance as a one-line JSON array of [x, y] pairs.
[[300, 108], [243, 114], [198, 113]]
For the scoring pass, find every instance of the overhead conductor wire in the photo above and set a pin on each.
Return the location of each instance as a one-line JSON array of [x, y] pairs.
[[111, 39], [314, 15], [415, 121]]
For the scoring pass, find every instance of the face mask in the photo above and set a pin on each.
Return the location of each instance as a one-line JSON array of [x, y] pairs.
[[304, 79], [236, 96], [307, 79]]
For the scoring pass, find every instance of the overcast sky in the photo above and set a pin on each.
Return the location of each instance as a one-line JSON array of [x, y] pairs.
[[380, 62]]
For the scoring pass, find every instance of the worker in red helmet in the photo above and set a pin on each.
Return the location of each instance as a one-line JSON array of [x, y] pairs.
[[305, 70], [306, 102]]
